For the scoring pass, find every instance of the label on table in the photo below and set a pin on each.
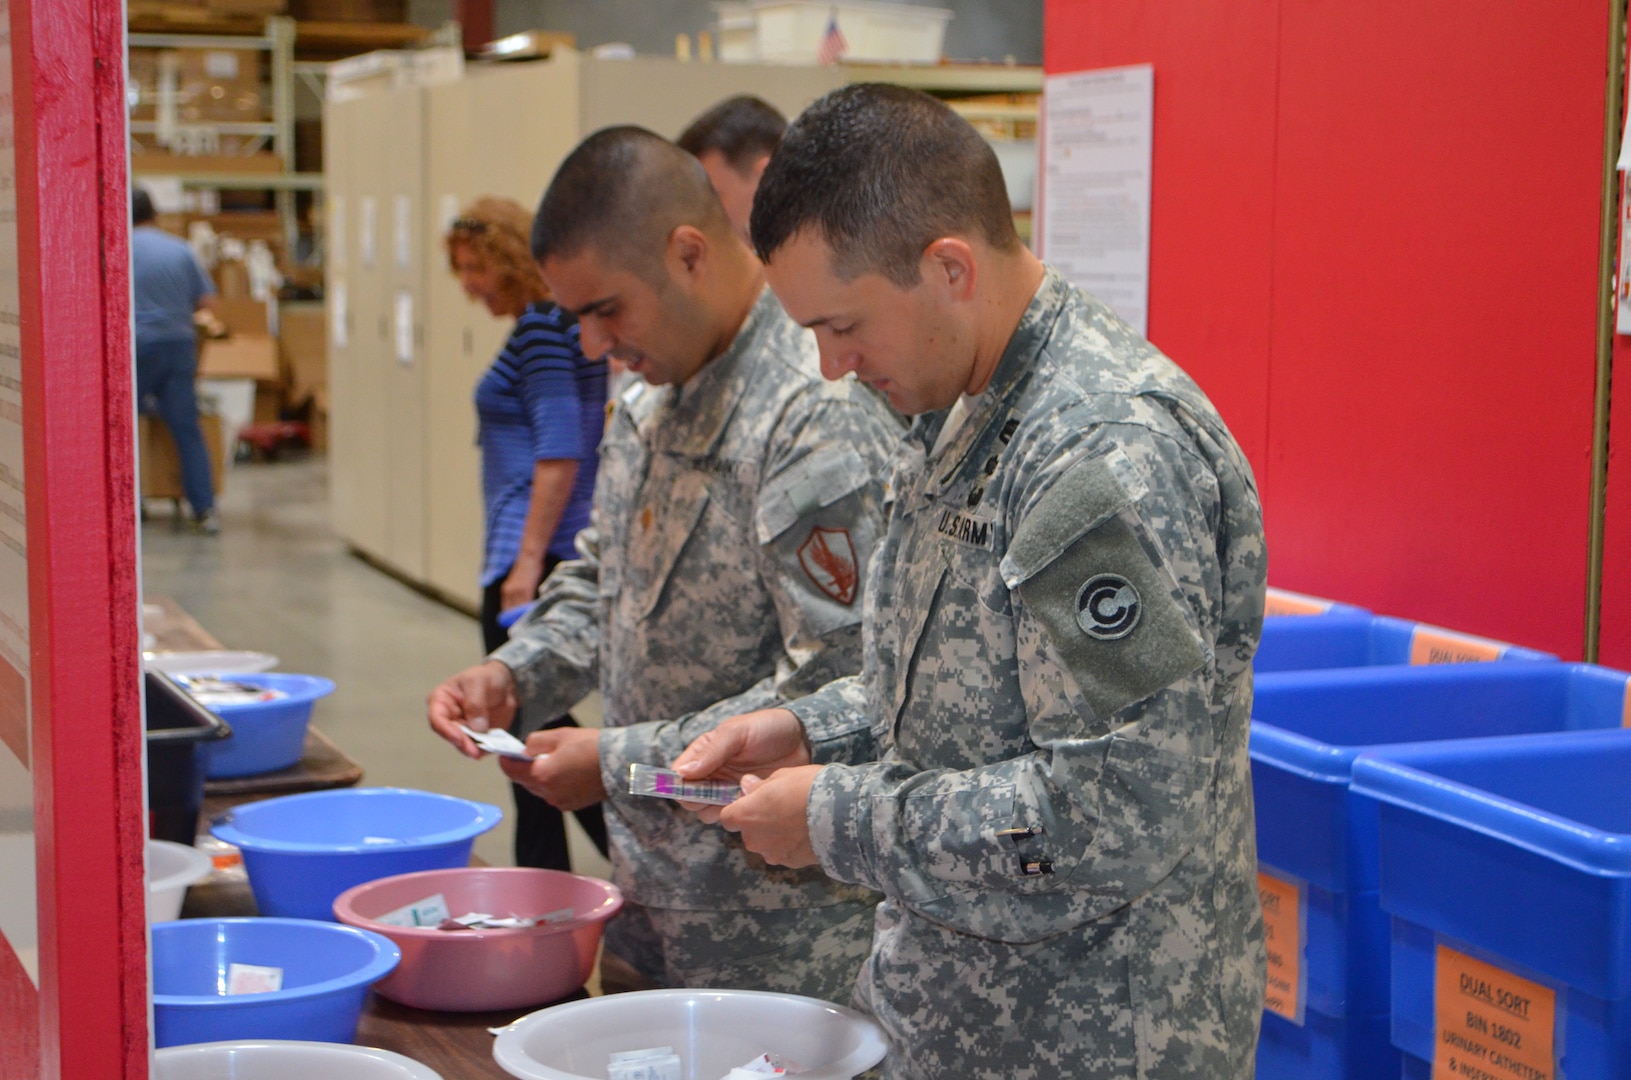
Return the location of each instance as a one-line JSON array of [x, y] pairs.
[[1283, 938], [1283, 603], [1430, 646], [1489, 1023]]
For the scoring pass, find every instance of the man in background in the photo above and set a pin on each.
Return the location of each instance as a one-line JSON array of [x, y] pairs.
[[734, 141], [738, 499], [167, 287]]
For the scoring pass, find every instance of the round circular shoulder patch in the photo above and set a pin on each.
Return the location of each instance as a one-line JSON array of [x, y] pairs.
[[1108, 607]]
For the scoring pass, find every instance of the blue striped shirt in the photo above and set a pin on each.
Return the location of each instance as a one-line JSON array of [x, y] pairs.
[[542, 400]]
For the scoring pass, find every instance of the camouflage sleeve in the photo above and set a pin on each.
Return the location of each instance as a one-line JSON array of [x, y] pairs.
[[818, 517], [554, 652], [1111, 614], [836, 723]]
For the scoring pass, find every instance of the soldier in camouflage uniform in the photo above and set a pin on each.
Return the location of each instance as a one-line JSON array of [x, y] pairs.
[[1043, 765], [734, 510]]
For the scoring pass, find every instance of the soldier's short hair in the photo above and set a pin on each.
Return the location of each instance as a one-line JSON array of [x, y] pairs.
[[622, 191], [742, 129], [880, 172]]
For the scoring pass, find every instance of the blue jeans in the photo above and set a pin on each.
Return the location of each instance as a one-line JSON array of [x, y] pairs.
[[164, 387]]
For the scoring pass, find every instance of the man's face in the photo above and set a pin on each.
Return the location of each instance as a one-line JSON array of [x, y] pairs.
[[905, 343], [652, 329], [735, 189]]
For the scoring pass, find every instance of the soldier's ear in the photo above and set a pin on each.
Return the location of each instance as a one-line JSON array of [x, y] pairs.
[[948, 263], [688, 247]]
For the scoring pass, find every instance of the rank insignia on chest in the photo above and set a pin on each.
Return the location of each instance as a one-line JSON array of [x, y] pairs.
[[828, 558]]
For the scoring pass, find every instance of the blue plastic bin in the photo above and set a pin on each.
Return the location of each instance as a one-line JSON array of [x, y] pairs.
[[1354, 639], [266, 735], [1314, 831], [1283, 603], [1309, 727], [327, 970], [1518, 852], [302, 851]]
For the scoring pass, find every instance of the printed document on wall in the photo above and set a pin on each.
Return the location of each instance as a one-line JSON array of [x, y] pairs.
[[1098, 128]]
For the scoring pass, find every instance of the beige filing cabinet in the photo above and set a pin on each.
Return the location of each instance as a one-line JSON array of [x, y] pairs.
[[501, 130]]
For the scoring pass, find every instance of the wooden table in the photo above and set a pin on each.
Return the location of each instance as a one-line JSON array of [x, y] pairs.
[[457, 1045]]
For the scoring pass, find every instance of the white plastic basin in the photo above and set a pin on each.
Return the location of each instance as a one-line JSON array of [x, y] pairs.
[[270, 1059], [171, 868], [712, 1031]]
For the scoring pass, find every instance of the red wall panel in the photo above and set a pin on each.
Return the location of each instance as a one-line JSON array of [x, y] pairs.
[[1435, 294], [1374, 241], [1213, 192]]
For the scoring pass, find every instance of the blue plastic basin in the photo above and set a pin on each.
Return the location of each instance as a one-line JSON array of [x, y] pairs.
[[1517, 851], [266, 735], [1354, 639], [327, 970], [302, 851]]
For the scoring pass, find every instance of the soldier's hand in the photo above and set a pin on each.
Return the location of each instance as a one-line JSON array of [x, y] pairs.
[[758, 742], [566, 771], [770, 816], [482, 697]]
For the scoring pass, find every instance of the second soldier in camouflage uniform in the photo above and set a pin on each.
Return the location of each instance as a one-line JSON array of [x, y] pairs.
[[734, 511], [1043, 765]]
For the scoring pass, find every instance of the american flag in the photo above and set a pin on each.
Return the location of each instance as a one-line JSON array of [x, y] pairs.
[[833, 44]]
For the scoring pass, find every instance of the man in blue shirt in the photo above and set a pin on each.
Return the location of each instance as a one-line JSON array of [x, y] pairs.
[[168, 285]]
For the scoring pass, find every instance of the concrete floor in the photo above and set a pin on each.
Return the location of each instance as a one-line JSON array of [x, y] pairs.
[[277, 579]]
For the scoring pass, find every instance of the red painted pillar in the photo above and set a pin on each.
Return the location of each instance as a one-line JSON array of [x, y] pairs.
[[82, 718]]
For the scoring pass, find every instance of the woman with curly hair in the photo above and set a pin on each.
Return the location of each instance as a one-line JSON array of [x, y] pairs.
[[540, 409]]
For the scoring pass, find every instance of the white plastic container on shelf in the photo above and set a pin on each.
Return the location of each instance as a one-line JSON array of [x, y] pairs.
[[790, 31]]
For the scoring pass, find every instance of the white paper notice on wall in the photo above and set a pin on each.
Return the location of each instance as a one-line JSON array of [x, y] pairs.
[[404, 326], [1622, 281], [1098, 130], [404, 232], [447, 212], [336, 232], [367, 229], [338, 315]]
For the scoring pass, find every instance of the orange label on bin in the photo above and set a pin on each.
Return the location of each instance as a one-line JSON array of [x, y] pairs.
[[1490, 1024], [1276, 602], [1429, 646], [1283, 938]]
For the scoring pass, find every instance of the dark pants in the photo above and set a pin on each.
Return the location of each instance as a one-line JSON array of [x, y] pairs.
[[165, 371], [540, 829]]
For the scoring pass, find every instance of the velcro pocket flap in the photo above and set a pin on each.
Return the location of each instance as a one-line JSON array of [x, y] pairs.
[[813, 483], [1085, 496]]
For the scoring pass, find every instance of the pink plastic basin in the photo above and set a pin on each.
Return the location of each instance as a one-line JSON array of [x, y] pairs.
[[484, 970]]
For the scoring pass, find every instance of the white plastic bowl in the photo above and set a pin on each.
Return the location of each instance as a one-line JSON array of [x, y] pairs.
[[171, 868], [270, 1059], [712, 1031]]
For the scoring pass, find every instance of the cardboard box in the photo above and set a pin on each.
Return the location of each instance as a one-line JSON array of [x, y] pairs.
[[242, 356], [160, 466], [209, 85], [243, 316], [232, 280], [268, 403], [155, 163], [303, 340]]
